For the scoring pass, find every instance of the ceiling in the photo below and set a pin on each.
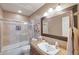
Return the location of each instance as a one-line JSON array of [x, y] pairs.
[[26, 8]]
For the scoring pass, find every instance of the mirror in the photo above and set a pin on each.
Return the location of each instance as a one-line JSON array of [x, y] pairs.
[[57, 26]]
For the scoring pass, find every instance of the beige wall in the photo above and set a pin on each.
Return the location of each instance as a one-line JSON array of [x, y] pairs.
[[14, 16], [1, 13], [1, 16], [5, 34]]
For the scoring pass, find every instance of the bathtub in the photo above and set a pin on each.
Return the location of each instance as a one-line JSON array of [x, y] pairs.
[[16, 49]]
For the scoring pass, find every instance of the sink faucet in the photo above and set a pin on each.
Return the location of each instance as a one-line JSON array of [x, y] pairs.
[[56, 44]]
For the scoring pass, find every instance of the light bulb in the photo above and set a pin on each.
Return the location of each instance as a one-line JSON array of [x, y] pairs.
[[50, 10], [25, 23], [19, 11], [45, 14], [58, 8]]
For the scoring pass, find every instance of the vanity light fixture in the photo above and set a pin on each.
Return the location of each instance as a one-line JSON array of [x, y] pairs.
[[52, 11], [58, 8], [19, 11]]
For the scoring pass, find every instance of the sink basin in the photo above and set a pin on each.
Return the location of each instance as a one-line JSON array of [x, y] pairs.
[[47, 48]]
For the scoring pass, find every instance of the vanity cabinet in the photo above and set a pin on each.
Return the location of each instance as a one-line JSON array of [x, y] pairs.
[[34, 51]]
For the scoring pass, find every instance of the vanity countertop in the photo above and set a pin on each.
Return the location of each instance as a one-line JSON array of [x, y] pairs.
[[34, 45]]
